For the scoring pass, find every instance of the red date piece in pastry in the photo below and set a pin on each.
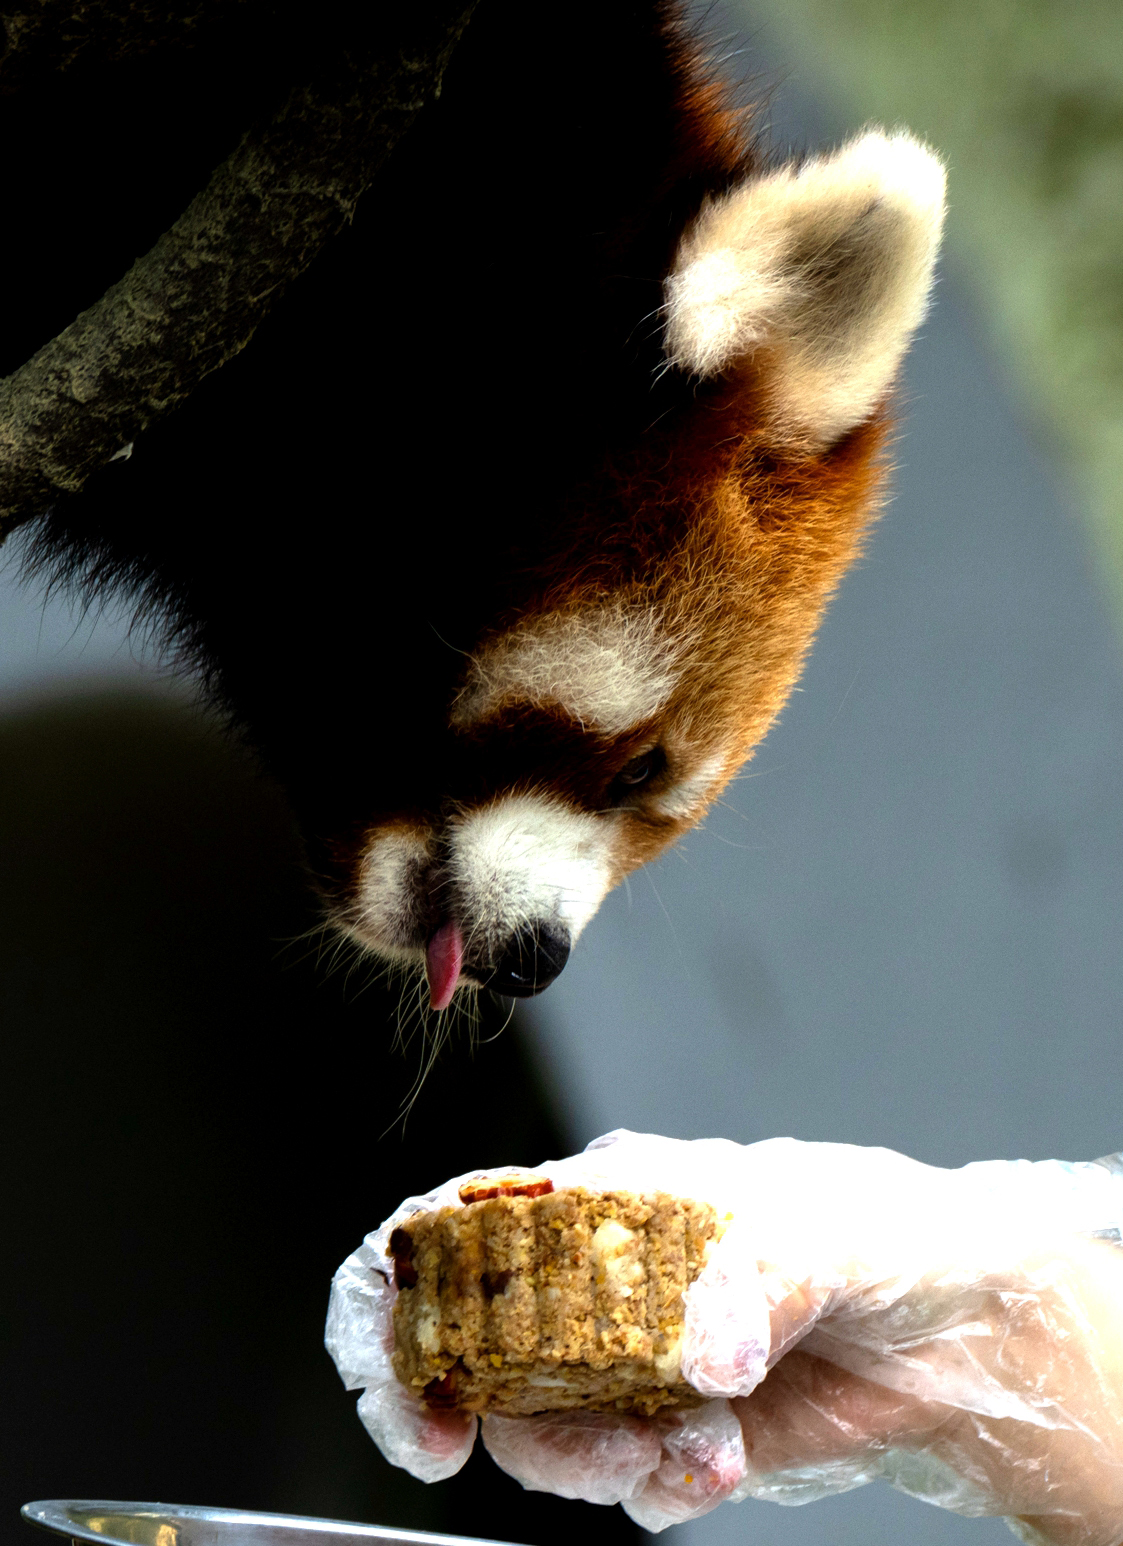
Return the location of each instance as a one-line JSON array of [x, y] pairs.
[[401, 1249], [518, 1184], [440, 1395]]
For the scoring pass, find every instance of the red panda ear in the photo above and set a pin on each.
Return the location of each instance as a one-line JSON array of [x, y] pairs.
[[815, 276]]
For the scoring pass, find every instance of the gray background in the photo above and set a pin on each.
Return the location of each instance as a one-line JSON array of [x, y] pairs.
[[902, 926]]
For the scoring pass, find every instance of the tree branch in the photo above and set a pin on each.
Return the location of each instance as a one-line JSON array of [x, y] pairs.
[[197, 297], [49, 35]]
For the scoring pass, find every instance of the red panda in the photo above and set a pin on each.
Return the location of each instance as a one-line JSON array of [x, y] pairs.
[[504, 541]]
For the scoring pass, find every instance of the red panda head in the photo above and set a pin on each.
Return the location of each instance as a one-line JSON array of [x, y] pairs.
[[641, 657]]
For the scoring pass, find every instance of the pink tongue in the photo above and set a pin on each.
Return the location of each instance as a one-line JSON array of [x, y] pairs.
[[443, 960]]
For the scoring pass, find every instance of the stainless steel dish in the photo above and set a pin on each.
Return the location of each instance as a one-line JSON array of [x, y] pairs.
[[170, 1524]]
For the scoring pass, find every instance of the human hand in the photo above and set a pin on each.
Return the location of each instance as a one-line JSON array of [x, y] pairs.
[[989, 1383], [956, 1336], [606, 1458]]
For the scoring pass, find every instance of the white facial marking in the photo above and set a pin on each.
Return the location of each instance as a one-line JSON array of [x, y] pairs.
[[828, 265], [386, 901], [528, 859], [609, 667], [683, 799]]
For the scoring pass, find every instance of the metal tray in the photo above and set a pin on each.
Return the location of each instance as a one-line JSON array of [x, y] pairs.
[[170, 1524]]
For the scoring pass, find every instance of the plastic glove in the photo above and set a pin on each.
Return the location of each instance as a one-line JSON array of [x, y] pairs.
[[605, 1459], [959, 1336]]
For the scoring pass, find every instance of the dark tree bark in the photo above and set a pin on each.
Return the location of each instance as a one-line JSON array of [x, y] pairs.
[[196, 298], [55, 34]]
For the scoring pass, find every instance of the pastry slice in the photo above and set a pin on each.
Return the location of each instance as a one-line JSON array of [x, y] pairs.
[[529, 1299]]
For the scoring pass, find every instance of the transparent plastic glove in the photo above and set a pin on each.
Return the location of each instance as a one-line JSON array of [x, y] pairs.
[[957, 1336], [670, 1468], [360, 1338]]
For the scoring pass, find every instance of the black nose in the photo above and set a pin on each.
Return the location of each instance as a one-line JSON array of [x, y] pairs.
[[531, 961]]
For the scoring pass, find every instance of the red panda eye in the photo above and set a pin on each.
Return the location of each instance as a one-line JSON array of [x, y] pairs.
[[641, 769], [637, 772]]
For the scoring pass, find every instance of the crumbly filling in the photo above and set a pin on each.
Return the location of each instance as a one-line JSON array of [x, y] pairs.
[[520, 1303]]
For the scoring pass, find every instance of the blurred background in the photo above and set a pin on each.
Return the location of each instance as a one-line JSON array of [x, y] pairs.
[[902, 926]]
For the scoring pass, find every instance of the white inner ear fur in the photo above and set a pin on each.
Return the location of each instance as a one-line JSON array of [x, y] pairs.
[[609, 667], [828, 266]]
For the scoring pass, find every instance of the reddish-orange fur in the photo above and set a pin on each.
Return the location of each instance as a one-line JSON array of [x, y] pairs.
[[739, 546]]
